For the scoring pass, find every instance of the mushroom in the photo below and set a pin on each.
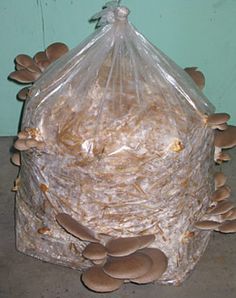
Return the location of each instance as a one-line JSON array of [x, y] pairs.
[[40, 56], [221, 193], [95, 251], [43, 64], [222, 156], [218, 120], [119, 247], [145, 240], [75, 228], [20, 145], [221, 208], [15, 159], [56, 50], [230, 215], [128, 267], [197, 76], [23, 93], [24, 60], [227, 138], [220, 179], [159, 266], [206, 224], [24, 76], [228, 227], [97, 280], [31, 143]]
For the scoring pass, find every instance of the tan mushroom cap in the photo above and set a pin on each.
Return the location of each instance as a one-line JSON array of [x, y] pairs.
[[217, 118], [95, 251], [197, 76], [97, 280], [120, 247], [31, 143], [23, 135], [24, 60], [23, 93], [145, 240], [228, 227], [221, 208], [20, 145], [220, 179], [207, 225], [128, 267], [223, 156], [230, 215], [24, 76], [56, 50], [222, 193], [75, 228], [159, 266], [227, 138], [40, 56], [16, 159]]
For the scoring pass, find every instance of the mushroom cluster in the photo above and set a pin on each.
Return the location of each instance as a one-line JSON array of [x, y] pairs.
[[117, 158]]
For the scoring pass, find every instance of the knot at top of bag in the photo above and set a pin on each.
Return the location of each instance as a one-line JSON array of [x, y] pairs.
[[111, 13]]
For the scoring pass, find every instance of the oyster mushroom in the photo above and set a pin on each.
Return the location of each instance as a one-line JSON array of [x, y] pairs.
[[16, 159], [159, 266], [227, 138], [20, 145], [218, 121], [75, 228], [228, 227], [56, 50], [221, 193], [230, 215], [23, 93], [220, 179], [206, 225], [95, 251], [97, 280], [24, 76], [119, 247], [221, 208], [128, 267], [197, 76]]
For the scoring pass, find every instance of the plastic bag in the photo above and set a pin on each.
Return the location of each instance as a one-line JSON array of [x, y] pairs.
[[127, 152]]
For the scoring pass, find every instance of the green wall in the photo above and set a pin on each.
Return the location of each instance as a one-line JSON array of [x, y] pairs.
[[192, 32]]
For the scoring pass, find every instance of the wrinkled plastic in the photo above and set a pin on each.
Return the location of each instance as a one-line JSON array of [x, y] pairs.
[[127, 152]]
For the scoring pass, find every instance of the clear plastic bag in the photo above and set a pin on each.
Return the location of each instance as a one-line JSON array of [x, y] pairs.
[[126, 153]]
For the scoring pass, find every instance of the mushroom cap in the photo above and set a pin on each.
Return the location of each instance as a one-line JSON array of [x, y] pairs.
[[94, 251], [56, 50], [207, 225], [197, 76], [24, 60], [75, 228], [40, 56], [226, 138], [217, 118], [24, 76], [230, 215], [31, 143], [221, 193], [120, 247], [145, 240], [20, 145], [159, 266], [16, 159], [128, 267], [221, 208], [220, 179], [23, 93], [97, 280], [228, 227]]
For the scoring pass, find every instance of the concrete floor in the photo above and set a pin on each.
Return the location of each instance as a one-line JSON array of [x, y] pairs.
[[25, 277]]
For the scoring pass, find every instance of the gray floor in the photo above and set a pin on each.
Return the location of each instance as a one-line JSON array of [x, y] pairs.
[[25, 277]]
